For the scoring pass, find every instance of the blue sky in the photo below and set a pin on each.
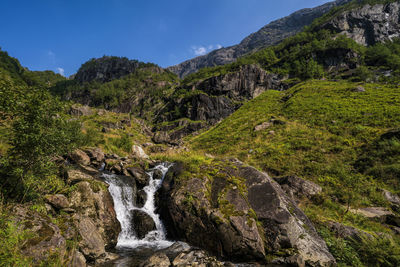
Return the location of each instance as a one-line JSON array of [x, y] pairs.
[[60, 35]]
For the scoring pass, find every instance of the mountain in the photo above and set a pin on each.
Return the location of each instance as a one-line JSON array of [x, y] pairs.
[[270, 34]]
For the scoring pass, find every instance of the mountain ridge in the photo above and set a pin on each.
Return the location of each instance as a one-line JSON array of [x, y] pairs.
[[268, 35]]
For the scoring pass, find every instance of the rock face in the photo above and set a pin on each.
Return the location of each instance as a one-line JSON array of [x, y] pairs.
[[298, 188], [105, 69], [220, 96], [270, 34], [368, 25], [243, 218]]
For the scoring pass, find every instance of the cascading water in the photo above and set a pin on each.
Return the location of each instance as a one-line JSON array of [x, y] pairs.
[[122, 195]]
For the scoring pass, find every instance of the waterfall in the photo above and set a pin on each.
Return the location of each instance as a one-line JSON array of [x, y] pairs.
[[122, 195]]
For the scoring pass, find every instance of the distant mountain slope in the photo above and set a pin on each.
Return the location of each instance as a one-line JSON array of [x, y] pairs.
[[270, 34]]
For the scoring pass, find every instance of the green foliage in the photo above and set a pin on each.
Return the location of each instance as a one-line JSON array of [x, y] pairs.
[[39, 133]]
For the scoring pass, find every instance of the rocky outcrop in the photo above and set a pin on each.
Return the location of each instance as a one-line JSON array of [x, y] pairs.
[[106, 69], [215, 98], [298, 188], [269, 35], [244, 216], [368, 25]]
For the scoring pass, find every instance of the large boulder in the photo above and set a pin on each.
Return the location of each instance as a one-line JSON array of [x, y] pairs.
[[91, 199], [298, 187], [91, 243], [46, 237], [142, 223], [240, 213], [80, 157], [138, 152]]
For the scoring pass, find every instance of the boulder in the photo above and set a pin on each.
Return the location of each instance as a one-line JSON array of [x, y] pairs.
[[157, 174], [240, 215], [92, 200], [95, 154], [141, 198], [76, 176], [141, 177], [46, 236], [379, 213], [91, 245], [298, 187], [142, 223], [138, 152], [392, 198], [80, 157], [58, 201], [157, 260]]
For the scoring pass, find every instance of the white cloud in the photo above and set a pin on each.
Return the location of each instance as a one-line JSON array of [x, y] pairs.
[[202, 50], [61, 71]]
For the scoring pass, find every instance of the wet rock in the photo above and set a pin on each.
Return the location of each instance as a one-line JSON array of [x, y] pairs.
[[298, 187], [195, 258], [142, 223], [46, 236], [141, 198], [58, 201], [175, 249], [157, 174], [157, 260], [141, 177], [80, 157], [138, 152], [106, 257]]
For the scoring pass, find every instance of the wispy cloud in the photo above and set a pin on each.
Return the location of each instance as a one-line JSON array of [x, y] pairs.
[[51, 56], [61, 71], [199, 50]]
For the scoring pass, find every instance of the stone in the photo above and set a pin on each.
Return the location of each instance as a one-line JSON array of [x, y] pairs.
[[262, 126], [46, 236], [141, 198], [138, 152], [157, 174], [298, 187], [77, 260], [175, 249], [157, 260], [196, 258], [106, 257], [392, 198], [92, 200], [80, 157], [348, 232], [76, 176], [359, 89], [92, 245], [78, 110], [373, 212], [230, 231], [58, 201], [142, 223], [95, 154], [141, 177]]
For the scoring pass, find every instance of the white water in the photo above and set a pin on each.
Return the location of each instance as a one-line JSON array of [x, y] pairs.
[[122, 195]]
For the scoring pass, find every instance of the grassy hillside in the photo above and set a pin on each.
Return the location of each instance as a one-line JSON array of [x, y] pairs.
[[322, 131]]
